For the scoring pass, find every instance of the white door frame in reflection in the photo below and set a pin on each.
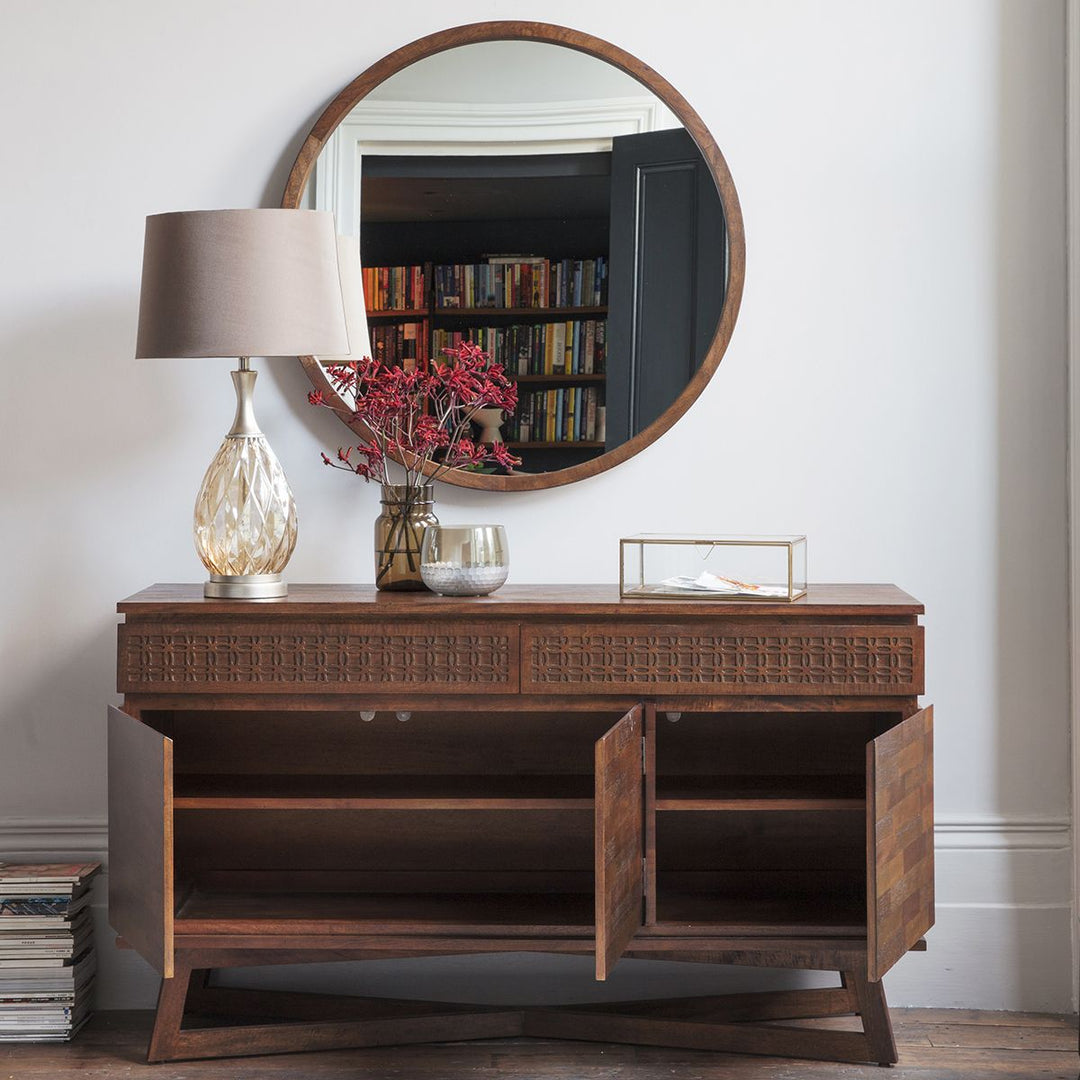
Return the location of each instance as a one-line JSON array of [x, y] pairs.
[[413, 128]]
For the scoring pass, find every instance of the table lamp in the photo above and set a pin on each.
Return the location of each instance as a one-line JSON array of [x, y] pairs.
[[352, 291], [243, 283]]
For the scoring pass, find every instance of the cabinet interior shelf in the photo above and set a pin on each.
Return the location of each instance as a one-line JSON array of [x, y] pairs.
[[484, 792], [832, 911], [804, 792], [479, 913], [357, 792], [835, 913]]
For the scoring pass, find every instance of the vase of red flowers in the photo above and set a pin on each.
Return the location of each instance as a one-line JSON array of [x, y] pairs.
[[399, 532], [422, 421]]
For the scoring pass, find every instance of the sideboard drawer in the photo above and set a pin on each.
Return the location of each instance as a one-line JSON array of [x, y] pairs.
[[281, 656], [698, 657]]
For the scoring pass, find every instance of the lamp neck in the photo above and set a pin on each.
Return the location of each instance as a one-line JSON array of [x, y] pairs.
[[244, 423]]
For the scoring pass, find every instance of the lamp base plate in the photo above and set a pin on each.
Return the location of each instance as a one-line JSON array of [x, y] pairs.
[[245, 587]]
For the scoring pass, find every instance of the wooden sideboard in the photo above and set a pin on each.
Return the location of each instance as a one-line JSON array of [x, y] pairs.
[[550, 769]]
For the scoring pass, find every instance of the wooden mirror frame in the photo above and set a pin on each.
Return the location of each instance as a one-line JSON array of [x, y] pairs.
[[472, 34]]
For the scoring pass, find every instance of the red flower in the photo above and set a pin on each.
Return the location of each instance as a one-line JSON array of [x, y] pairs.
[[421, 417], [503, 456]]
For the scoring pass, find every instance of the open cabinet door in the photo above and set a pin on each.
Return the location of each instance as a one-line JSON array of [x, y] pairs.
[[620, 841], [668, 277], [899, 840], [141, 839]]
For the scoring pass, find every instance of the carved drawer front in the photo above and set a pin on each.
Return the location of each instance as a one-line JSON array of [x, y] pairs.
[[271, 656], [721, 657]]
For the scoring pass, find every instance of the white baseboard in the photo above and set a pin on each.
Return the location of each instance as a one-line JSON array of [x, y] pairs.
[[1002, 939]]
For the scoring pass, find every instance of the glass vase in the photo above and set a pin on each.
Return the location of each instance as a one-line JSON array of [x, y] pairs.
[[399, 535], [465, 560]]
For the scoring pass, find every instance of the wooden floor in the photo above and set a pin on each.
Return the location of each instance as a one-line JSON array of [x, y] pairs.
[[934, 1044]]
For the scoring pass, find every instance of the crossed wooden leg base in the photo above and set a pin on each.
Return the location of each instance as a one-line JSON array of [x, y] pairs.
[[326, 1022]]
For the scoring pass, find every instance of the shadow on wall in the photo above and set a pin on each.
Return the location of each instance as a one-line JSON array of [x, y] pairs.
[[81, 418]]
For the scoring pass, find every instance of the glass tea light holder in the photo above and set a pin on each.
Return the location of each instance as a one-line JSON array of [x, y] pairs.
[[705, 566], [464, 560]]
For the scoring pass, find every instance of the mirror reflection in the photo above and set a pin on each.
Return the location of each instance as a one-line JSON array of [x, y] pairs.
[[545, 205]]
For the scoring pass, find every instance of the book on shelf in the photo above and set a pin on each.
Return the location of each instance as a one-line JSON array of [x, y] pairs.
[[568, 414], [401, 344], [521, 282], [394, 288], [47, 958], [574, 347]]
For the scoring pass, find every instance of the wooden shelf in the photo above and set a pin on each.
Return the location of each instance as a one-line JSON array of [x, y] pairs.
[[400, 313], [560, 379], [765, 902], [355, 792], [565, 445], [495, 914], [524, 312], [758, 793], [827, 915]]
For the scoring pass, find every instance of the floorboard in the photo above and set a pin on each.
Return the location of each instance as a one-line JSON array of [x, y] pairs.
[[934, 1044]]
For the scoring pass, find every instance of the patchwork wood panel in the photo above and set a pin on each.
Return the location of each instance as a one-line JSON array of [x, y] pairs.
[[703, 658], [281, 656], [620, 840], [141, 838], [900, 840]]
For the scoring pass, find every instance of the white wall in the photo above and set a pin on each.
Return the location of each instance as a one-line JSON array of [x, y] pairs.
[[895, 387]]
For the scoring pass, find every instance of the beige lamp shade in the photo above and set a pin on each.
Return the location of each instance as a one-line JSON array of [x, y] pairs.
[[352, 292], [240, 283]]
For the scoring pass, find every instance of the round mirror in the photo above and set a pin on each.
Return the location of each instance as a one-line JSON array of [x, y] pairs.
[[547, 196]]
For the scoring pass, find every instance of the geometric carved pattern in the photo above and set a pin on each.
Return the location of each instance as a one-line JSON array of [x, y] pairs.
[[900, 840], [854, 660], [197, 659]]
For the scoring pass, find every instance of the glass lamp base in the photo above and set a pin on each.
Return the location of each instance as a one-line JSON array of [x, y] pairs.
[[245, 587]]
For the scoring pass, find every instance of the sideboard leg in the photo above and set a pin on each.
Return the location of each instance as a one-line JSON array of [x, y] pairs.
[[877, 1026], [199, 992], [170, 1014]]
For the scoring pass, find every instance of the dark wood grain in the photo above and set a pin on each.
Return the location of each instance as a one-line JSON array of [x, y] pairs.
[[357, 792], [773, 1040], [620, 841], [170, 1013], [899, 840], [535, 601], [140, 838], [436, 745], [518, 808], [701, 656], [439, 42], [870, 1003], [650, 815], [934, 1044], [269, 657], [774, 793], [465, 914]]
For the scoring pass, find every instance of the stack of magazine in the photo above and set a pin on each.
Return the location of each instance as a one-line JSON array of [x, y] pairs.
[[46, 950]]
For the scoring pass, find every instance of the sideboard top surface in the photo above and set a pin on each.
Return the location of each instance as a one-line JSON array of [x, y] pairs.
[[586, 600]]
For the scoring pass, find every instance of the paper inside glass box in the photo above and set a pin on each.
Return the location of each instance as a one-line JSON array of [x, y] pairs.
[[707, 567]]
